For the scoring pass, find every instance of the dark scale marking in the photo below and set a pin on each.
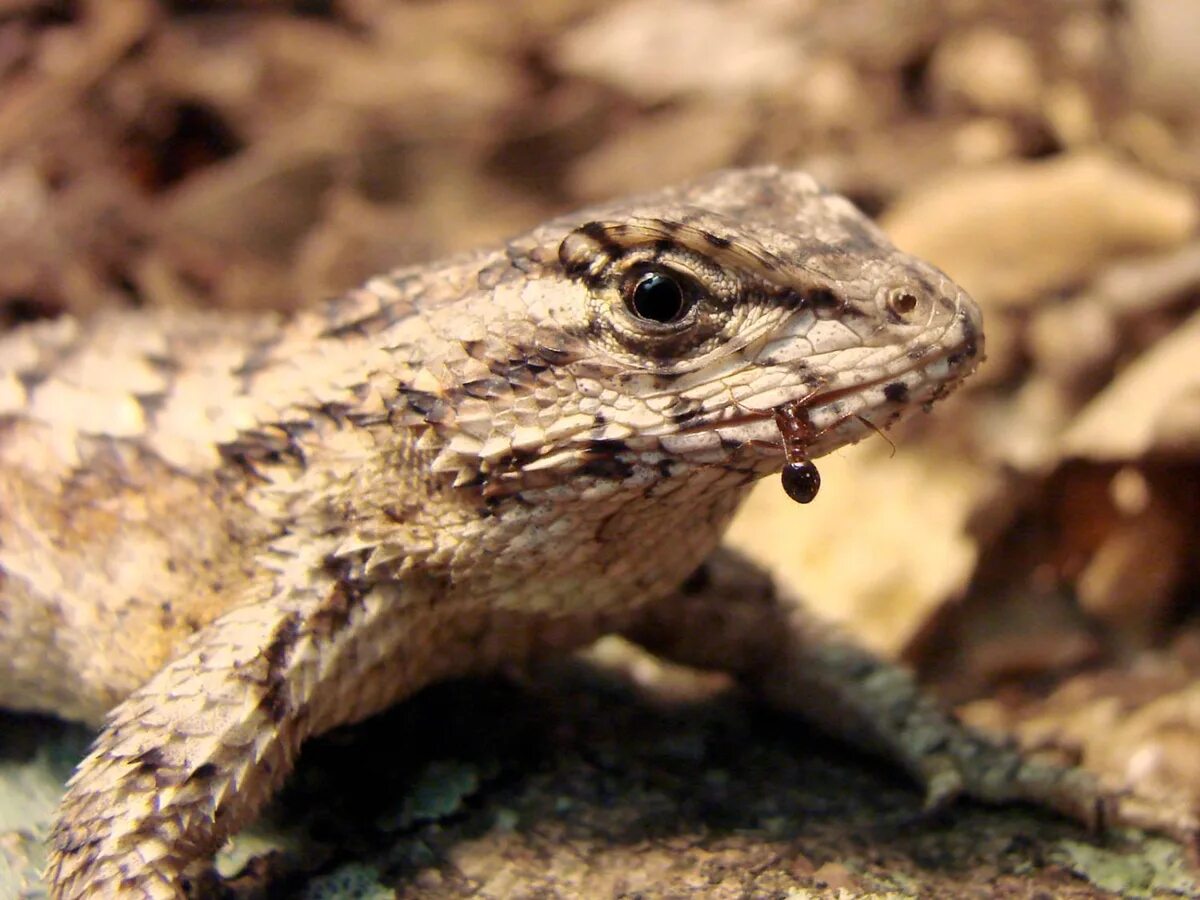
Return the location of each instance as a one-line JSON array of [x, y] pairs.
[[387, 311], [477, 480], [395, 310], [513, 461], [273, 700], [602, 235], [149, 761], [336, 413], [575, 266], [790, 298], [367, 420], [334, 614], [255, 448], [716, 240], [203, 772], [556, 356], [611, 467], [294, 429], [601, 459], [896, 392], [494, 275], [684, 415], [430, 407], [606, 445], [360, 327], [729, 443], [970, 346], [520, 260], [486, 388], [824, 301], [521, 371]]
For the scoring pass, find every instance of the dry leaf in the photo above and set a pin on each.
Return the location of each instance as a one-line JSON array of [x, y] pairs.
[[1010, 233], [1153, 406]]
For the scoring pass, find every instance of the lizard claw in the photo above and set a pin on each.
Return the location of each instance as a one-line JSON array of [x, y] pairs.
[[943, 784], [975, 767]]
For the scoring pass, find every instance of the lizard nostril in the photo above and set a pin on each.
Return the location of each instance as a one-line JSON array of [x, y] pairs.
[[903, 303]]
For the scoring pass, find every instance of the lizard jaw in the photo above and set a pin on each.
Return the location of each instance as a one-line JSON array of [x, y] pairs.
[[836, 417]]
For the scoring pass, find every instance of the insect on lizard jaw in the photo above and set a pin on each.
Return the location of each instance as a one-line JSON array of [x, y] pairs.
[[939, 363], [842, 364]]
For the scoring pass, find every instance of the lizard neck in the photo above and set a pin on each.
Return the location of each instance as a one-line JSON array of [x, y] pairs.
[[606, 550]]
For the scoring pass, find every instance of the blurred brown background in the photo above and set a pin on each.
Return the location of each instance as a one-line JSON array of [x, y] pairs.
[[1031, 548]]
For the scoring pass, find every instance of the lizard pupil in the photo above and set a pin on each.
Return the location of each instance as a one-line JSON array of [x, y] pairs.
[[801, 481], [657, 297]]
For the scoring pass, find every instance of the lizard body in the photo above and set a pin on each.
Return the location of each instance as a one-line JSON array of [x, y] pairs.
[[220, 535]]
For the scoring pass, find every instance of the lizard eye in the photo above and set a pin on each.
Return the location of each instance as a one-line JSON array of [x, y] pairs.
[[658, 295]]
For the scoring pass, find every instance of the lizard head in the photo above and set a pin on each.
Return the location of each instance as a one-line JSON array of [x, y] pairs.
[[636, 342]]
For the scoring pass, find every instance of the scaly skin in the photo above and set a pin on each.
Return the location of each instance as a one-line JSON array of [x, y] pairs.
[[221, 535]]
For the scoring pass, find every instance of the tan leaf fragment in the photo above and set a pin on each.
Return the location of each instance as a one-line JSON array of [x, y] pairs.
[[1011, 232], [656, 50], [1152, 406], [883, 546], [1137, 728]]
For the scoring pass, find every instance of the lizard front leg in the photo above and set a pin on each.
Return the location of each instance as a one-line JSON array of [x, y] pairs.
[[730, 616], [195, 753]]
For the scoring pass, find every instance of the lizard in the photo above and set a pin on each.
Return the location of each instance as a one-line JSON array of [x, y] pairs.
[[222, 534]]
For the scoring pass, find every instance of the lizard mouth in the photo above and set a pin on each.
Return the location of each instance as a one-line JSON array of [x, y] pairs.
[[814, 424]]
